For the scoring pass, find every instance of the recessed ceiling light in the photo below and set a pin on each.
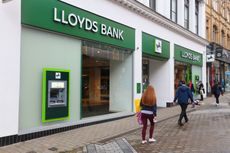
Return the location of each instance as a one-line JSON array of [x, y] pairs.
[[5, 1]]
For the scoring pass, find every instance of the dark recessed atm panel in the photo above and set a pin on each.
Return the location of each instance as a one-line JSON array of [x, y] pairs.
[[55, 101]]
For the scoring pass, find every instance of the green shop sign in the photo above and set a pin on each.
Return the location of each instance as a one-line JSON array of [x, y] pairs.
[[188, 56], [155, 47], [61, 17]]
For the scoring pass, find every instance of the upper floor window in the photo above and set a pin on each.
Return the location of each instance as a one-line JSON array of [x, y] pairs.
[[173, 10], [225, 13], [197, 16], [152, 4], [207, 33], [228, 17], [207, 30], [222, 38], [186, 14], [215, 5], [228, 41], [214, 33]]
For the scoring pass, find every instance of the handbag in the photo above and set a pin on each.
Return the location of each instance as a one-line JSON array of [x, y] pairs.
[[139, 120]]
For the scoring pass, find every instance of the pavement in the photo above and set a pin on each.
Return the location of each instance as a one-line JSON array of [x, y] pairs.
[[123, 135], [206, 132]]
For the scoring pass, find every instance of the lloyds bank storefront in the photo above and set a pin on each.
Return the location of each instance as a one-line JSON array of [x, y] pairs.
[[80, 65], [75, 66], [187, 67]]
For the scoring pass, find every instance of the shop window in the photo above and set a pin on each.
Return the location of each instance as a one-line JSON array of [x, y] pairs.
[[182, 72], [227, 81], [106, 79], [145, 74], [105, 83]]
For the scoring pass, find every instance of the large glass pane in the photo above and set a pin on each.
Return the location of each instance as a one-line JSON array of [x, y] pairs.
[[152, 4], [174, 5], [186, 24], [186, 13], [106, 79], [174, 10], [145, 2], [182, 72], [173, 17], [196, 24], [145, 74]]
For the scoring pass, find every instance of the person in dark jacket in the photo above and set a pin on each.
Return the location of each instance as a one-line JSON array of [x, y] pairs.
[[217, 90], [201, 91], [148, 111], [183, 94]]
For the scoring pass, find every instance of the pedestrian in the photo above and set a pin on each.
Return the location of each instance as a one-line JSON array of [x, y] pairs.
[[217, 90], [191, 87], [148, 112], [183, 94], [201, 91]]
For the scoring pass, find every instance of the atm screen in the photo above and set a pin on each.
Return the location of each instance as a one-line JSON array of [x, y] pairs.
[[57, 95], [58, 84]]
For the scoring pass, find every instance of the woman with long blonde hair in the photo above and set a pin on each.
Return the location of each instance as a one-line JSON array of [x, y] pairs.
[[148, 111]]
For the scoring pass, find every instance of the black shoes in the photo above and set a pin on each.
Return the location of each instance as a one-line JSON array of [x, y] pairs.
[[180, 124]]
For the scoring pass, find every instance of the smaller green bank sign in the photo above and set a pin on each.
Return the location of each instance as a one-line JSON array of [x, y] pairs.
[[155, 47], [188, 56], [60, 17]]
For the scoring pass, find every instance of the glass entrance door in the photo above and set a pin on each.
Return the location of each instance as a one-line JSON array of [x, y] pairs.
[[145, 74]]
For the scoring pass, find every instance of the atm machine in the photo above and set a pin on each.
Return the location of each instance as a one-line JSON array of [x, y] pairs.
[[55, 94]]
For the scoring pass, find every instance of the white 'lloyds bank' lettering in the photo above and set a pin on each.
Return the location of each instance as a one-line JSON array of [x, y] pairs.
[[87, 24], [190, 56]]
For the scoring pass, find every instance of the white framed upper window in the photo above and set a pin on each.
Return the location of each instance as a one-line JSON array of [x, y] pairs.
[[149, 3], [152, 4], [197, 16], [173, 10], [186, 14]]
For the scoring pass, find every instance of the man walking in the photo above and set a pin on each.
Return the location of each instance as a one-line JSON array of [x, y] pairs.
[[217, 90], [183, 93]]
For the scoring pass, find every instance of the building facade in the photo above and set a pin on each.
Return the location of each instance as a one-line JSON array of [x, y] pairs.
[[69, 63], [218, 34]]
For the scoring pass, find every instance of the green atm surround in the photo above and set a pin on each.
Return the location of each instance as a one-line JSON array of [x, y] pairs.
[[55, 94]]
